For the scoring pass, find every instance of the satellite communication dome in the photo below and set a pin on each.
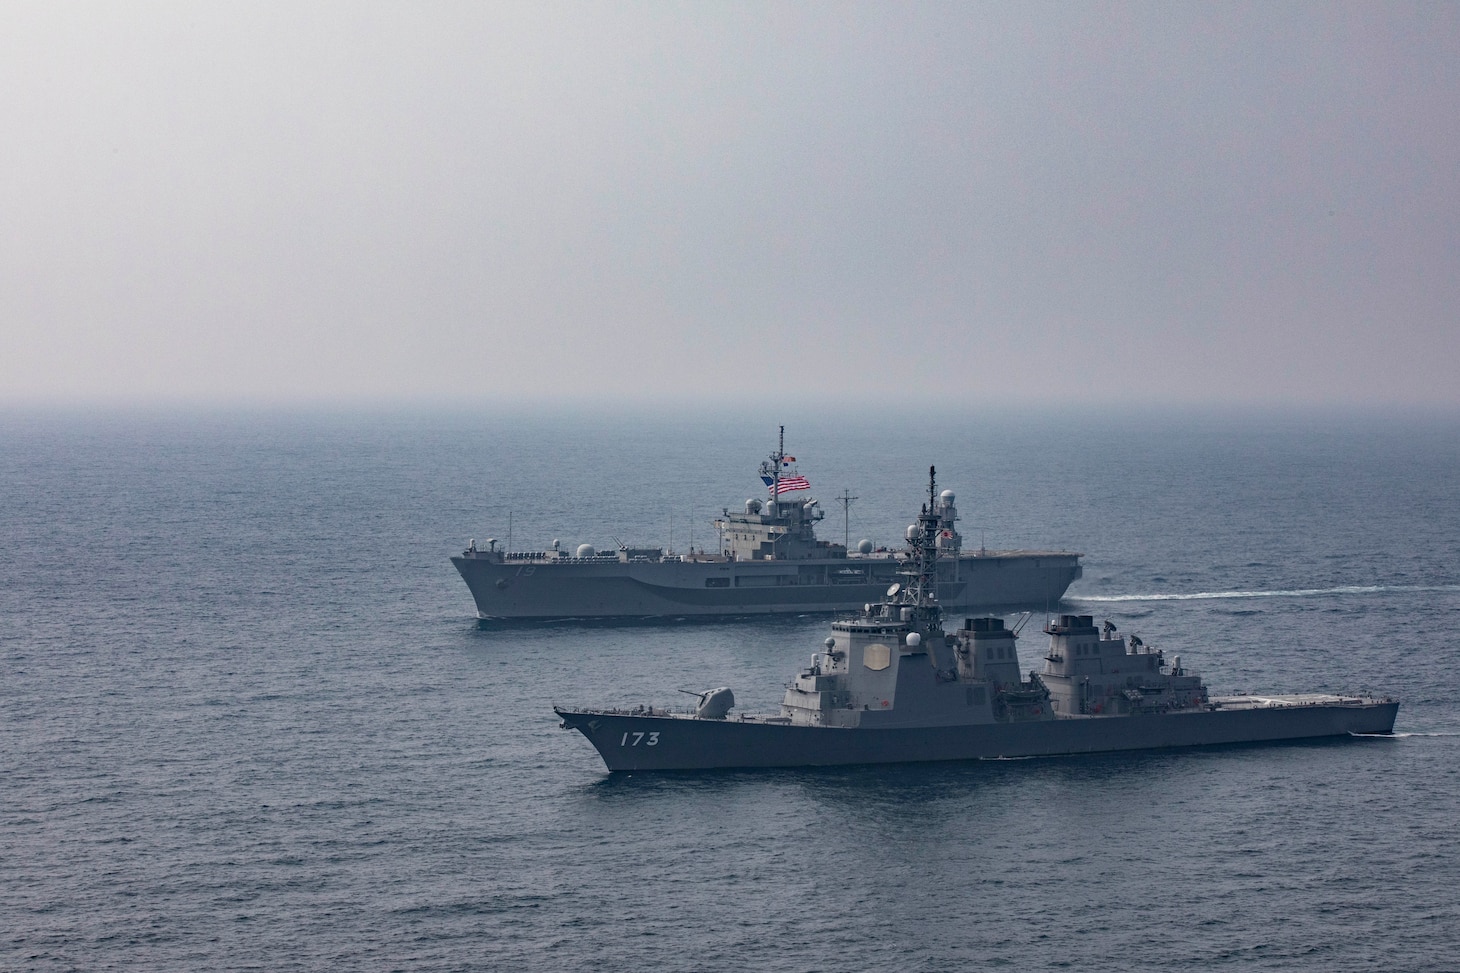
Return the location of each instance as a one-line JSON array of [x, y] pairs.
[[914, 640], [914, 532], [864, 546], [946, 496], [752, 506], [586, 550]]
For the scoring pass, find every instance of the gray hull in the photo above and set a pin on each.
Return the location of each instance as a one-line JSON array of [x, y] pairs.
[[525, 589], [629, 742]]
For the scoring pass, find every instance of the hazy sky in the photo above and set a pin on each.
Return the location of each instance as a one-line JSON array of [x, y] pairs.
[[435, 202]]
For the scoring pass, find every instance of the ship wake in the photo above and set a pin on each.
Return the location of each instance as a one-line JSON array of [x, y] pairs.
[[1276, 593]]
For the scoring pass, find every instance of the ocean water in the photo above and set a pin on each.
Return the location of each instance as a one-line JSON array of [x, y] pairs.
[[248, 720]]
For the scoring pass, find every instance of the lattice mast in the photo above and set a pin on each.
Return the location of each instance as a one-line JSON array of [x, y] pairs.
[[922, 587]]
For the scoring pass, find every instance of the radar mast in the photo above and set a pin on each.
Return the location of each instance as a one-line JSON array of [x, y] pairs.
[[922, 586]]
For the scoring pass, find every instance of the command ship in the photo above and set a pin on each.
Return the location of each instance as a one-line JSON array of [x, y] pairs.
[[769, 561]]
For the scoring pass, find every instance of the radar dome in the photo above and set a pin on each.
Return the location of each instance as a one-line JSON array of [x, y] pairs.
[[864, 546], [752, 506], [830, 643], [914, 532], [946, 496], [586, 550], [914, 640]]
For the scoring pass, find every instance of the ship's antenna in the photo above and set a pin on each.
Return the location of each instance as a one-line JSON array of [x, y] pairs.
[[509, 532], [780, 459], [846, 501], [771, 469]]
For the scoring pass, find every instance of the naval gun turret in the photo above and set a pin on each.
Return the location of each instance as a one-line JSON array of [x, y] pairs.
[[715, 704]]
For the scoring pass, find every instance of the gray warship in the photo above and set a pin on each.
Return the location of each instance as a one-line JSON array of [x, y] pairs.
[[769, 561], [892, 687]]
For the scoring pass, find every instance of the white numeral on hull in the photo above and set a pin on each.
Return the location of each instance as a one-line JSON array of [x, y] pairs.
[[650, 739]]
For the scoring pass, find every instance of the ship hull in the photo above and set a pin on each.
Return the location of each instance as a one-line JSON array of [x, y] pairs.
[[637, 742], [518, 589]]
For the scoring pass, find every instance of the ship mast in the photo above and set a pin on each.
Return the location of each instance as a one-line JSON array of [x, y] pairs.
[[772, 467], [780, 460], [846, 501], [923, 581]]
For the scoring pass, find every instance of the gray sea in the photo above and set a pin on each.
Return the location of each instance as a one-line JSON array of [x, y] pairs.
[[248, 720]]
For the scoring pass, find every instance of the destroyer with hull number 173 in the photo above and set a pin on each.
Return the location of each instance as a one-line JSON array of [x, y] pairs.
[[891, 687], [769, 562]]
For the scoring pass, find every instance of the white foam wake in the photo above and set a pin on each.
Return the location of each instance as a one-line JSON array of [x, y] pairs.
[[1400, 736], [1280, 593]]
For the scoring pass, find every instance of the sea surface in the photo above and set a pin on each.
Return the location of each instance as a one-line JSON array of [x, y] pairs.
[[248, 719]]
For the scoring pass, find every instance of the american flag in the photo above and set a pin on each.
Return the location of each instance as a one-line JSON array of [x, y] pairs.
[[794, 482]]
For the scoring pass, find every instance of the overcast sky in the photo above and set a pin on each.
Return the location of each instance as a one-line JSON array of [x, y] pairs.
[[371, 202]]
